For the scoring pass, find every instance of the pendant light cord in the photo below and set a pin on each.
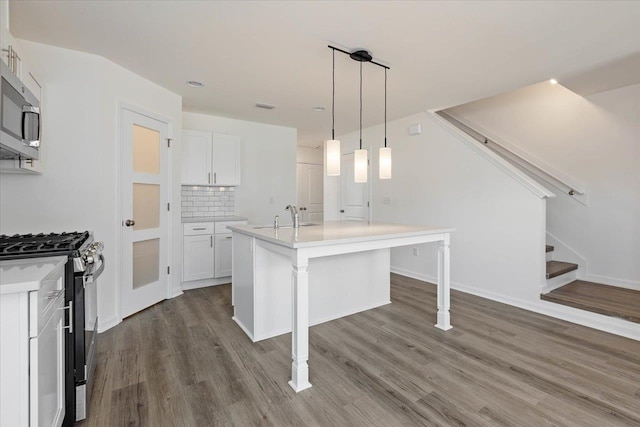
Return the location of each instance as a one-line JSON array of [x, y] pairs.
[[385, 108], [333, 98], [361, 105]]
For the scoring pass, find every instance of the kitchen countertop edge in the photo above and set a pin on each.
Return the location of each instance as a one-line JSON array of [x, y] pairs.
[[212, 219], [31, 278]]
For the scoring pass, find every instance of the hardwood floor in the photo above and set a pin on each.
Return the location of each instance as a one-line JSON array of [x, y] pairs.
[[184, 362], [602, 299]]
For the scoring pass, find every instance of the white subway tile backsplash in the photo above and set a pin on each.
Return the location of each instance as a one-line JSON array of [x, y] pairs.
[[207, 201]]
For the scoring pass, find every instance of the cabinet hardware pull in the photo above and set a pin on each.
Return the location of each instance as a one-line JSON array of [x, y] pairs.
[[199, 228], [229, 237], [215, 177], [211, 241], [70, 308], [209, 178]]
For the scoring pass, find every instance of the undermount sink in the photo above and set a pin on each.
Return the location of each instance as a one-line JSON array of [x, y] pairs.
[[306, 224]]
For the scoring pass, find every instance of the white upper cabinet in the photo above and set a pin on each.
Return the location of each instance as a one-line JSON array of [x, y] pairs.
[[210, 158], [226, 160], [196, 157]]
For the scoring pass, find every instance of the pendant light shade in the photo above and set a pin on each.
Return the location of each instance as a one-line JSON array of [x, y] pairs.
[[385, 152], [333, 157], [333, 145], [360, 165], [385, 163]]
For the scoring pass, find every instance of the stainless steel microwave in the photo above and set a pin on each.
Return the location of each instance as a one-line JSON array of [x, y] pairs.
[[19, 118]]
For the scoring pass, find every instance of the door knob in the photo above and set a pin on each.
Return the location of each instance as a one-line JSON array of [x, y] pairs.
[[129, 223]]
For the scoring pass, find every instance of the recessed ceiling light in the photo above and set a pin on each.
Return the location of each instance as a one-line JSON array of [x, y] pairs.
[[265, 106], [194, 83], [553, 81], [318, 109]]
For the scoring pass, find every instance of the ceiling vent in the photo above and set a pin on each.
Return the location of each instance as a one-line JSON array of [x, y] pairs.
[[265, 106]]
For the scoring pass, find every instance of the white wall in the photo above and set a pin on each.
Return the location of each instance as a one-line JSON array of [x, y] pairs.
[[78, 189], [437, 180], [497, 251], [268, 181], [594, 140], [310, 155]]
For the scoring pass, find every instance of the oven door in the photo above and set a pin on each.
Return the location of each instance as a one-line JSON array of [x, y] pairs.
[[86, 332]]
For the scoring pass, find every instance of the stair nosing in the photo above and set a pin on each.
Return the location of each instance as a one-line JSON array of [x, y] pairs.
[[567, 269]]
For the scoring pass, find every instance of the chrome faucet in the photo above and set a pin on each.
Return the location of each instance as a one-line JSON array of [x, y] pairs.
[[294, 215], [276, 222]]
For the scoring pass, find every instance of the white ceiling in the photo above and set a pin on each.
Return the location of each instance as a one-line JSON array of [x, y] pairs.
[[441, 54]]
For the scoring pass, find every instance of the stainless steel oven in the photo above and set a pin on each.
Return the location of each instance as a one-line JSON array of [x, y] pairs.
[[19, 118]]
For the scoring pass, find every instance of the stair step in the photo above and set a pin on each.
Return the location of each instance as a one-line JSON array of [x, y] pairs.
[[556, 268], [549, 248], [598, 298]]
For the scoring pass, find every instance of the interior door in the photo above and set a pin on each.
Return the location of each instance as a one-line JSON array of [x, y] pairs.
[[311, 192], [144, 211], [354, 196]]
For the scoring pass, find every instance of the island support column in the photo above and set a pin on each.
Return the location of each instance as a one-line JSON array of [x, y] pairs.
[[444, 284], [300, 321]]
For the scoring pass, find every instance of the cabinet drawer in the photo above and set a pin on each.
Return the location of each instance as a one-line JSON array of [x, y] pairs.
[[221, 227], [195, 228]]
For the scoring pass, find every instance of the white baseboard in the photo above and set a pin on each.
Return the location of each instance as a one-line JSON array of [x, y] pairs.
[[244, 328], [176, 293], [592, 320], [104, 325], [612, 281]]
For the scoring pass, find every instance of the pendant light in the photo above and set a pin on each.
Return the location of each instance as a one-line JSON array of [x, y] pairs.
[[385, 152], [333, 145], [360, 160], [360, 156]]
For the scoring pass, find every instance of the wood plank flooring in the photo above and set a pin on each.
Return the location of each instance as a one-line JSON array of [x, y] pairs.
[[184, 362], [598, 298]]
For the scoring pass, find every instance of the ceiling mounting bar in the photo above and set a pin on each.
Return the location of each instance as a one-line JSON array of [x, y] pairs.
[[359, 55]]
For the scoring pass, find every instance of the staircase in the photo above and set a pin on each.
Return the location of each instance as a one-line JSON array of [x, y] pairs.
[[563, 288]]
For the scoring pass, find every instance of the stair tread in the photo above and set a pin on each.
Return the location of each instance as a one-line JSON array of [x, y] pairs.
[[549, 248], [556, 268], [598, 298]]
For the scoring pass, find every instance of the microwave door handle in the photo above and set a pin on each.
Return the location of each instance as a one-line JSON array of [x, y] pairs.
[[30, 109]]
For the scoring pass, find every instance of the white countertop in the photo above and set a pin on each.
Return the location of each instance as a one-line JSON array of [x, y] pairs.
[[332, 232], [24, 275], [213, 218]]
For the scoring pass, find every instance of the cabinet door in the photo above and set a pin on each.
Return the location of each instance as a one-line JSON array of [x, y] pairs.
[[46, 373], [196, 158], [223, 255], [197, 257], [226, 160]]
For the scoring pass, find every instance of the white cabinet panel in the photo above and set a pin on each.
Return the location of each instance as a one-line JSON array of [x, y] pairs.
[[196, 158], [210, 158], [226, 160], [198, 254], [47, 399], [223, 255]]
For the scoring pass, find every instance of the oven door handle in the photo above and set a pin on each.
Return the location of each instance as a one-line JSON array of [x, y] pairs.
[[90, 278]]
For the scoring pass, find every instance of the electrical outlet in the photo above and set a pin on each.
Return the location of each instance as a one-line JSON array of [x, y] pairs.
[[416, 252], [386, 200]]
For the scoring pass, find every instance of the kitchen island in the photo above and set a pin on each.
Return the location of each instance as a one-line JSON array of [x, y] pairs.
[[286, 279]]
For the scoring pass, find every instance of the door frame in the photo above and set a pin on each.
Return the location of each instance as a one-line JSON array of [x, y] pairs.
[[369, 184], [122, 107]]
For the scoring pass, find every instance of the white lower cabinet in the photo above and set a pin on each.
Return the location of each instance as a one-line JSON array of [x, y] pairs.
[[222, 259], [207, 253], [198, 253], [32, 353]]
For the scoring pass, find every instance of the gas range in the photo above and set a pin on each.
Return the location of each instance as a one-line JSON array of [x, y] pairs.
[[85, 263]]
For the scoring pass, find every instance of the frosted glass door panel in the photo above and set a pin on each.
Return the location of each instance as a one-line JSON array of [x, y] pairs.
[[146, 262], [146, 150], [146, 206]]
